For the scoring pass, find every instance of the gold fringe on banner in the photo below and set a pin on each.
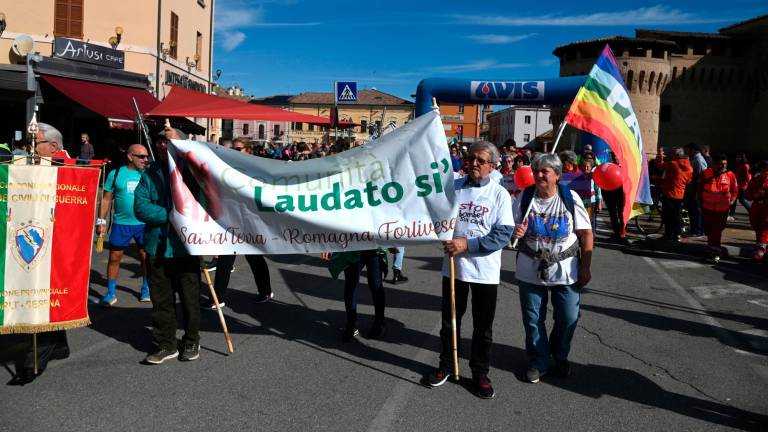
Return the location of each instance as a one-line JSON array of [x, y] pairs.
[[39, 328]]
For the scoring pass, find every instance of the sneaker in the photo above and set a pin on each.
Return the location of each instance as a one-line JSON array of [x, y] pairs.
[[191, 352], [263, 298], [350, 333], [534, 375], [144, 297], [161, 356], [398, 277], [562, 368], [438, 377], [212, 306], [759, 254], [377, 330], [483, 387], [731, 219], [211, 265], [109, 299]]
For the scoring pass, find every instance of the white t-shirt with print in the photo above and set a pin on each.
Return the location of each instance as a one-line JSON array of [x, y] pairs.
[[480, 208], [551, 228]]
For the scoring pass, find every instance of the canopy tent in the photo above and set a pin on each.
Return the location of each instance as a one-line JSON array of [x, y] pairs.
[[189, 103], [114, 102]]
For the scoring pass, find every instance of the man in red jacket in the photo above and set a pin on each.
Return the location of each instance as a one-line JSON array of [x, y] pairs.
[[757, 191], [677, 175], [717, 190]]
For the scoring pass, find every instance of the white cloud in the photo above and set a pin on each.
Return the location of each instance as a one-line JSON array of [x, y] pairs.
[[654, 15], [231, 40], [477, 65], [497, 39]]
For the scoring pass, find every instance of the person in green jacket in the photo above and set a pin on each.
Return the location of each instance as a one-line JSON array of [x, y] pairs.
[[170, 267]]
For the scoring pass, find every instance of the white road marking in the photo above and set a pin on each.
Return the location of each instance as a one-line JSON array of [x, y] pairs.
[[680, 264], [727, 290], [400, 394], [759, 302], [720, 330]]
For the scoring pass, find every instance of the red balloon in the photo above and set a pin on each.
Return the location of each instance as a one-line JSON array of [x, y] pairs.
[[524, 177], [608, 176]]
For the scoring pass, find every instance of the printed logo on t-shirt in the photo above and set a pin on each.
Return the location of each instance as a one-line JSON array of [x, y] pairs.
[[473, 213], [130, 185], [549, 228]]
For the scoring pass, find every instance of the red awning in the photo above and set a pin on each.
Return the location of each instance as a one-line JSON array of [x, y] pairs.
[[189, 103], [111, 101]]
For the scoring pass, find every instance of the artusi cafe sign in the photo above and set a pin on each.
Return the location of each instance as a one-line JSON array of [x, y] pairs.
[[89, 53]]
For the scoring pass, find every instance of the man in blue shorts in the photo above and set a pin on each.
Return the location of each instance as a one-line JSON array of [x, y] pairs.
[[118, 188]]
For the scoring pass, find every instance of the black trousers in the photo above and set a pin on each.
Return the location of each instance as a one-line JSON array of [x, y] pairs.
[[168, 276], [371, 260], [50, 345], [259, 269], [670, 214], [614, 204], [483, 312], [694, 210]]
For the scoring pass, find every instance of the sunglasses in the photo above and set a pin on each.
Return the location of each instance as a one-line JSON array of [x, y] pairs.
[[140, 156], [480, 161], [238, 148]]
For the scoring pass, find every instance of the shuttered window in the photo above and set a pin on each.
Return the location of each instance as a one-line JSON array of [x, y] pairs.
[[174, 52], [68, 19]]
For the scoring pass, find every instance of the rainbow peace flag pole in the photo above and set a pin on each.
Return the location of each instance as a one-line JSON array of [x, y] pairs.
[[602, 107]]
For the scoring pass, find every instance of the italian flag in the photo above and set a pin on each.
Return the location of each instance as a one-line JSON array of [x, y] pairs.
[[47, 213]]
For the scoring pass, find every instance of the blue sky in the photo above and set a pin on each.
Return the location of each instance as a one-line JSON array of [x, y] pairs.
[[293, 46]]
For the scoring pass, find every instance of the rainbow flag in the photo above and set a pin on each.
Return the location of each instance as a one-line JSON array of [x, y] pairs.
[[602, 107]]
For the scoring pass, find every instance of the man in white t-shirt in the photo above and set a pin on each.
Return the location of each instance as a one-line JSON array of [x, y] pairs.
[[555, 257], [483, 227]]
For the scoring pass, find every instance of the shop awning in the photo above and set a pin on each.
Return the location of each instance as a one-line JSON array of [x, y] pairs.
[[189, 103], [113, 102]]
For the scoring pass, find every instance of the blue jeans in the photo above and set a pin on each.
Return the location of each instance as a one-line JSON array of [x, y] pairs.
[[397, 264], [533, 303]]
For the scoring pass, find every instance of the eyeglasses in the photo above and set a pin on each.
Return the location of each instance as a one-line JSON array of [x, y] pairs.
[[140, 156], [480, 161]]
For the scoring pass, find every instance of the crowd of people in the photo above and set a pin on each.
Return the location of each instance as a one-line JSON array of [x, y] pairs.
[[553, 224]]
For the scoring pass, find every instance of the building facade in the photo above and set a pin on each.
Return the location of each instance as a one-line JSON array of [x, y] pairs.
[[373, 111], [463, 122], [147, 45], [705, 88], [518, 125]]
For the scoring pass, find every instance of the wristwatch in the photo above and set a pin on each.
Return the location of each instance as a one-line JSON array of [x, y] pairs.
[[100, 221]]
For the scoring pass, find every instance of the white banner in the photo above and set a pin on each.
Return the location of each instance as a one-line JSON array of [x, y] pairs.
[[394, 191]]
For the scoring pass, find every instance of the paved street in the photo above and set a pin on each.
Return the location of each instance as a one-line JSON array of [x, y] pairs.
[[665, 342]]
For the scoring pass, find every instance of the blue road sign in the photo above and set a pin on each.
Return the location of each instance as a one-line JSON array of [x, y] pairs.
[[346, 91]]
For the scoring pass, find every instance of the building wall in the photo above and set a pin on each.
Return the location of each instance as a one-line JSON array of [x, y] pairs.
[[468, 116], [139, 20], [509, 125]]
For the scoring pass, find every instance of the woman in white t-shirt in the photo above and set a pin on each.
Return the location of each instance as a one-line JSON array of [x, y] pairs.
[[555, 257]]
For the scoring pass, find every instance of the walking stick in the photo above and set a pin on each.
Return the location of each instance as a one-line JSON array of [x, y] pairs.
[[218, 309], [453, 322]]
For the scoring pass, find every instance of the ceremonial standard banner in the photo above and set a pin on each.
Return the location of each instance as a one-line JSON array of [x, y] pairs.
[[397, 190], [47, 214]]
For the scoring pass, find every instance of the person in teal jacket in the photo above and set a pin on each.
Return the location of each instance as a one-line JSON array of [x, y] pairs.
[[170, 268]]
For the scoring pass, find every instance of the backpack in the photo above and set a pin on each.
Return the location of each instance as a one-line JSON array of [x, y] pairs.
[[562, 190]]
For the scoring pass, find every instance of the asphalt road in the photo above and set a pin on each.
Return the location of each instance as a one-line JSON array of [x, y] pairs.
[[664, 343]]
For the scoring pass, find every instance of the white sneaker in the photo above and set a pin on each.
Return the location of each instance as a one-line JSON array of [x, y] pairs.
[[731, 219]]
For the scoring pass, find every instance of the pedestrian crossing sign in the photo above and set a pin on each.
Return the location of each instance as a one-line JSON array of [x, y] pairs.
[[346, 91]]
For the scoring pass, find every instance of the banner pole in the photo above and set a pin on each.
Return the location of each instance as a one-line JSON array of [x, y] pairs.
[[218, 309], [530, 204], [453, 321], [34, 352]]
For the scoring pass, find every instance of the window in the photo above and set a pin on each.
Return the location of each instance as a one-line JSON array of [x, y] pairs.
[[526, 138], [174, 44], [364, 126], [261, 131], [198, 50], [245, 128], [299, 126], [310, 127], [68, 21], [461, 108], [276, 131], [527, 119]]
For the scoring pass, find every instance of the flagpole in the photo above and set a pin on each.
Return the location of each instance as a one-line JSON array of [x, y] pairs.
[[454, 338], [530, 204], [215, 299]]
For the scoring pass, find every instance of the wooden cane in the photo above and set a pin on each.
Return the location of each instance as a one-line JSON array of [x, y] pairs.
[[453, 322], [218, 309]]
